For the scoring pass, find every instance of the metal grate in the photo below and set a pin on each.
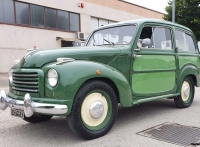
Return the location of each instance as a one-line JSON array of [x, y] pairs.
[[25, 82], [174, 133]]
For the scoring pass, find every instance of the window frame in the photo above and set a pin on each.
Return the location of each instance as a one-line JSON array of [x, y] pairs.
[[30, 18], [158, 26], [15, 12], [188, 33], [55, 19], [93, 32], [68, 21], [14, 21], [78, 20]]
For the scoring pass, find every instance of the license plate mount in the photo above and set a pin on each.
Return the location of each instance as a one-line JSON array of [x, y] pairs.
[[17, 113]]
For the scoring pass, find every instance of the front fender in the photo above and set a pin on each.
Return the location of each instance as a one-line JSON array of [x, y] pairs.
[[188, 70], [72, 75]]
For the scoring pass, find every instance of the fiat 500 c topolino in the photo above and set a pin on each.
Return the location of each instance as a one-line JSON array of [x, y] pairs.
[[125, 63]]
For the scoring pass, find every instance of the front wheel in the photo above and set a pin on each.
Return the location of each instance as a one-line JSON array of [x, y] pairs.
[[94, 110], [186, 97]]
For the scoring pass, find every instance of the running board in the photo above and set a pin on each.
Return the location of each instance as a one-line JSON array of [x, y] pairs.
[[153, 98]]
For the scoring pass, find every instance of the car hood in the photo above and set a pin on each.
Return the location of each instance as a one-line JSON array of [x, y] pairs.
[[39, 58]]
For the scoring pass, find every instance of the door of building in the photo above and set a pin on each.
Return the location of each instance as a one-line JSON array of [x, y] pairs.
[[66, 43]]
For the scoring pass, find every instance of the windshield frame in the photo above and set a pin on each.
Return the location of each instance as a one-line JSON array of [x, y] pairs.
[[108, 27]]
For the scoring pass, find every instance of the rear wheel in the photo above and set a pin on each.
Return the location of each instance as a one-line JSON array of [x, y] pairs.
[[94, 110], [186, 97], [37, 118]]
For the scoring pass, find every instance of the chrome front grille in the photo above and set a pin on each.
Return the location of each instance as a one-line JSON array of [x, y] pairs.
[[25, 82]]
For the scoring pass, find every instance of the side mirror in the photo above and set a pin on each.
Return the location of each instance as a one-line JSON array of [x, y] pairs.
[[76, 43], [145, 42]]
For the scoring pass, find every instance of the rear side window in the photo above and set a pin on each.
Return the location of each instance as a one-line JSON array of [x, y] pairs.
[[160, 37], [184, 42], [189, 43]]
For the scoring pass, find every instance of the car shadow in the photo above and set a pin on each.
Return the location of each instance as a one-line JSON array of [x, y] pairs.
[[57, 129]]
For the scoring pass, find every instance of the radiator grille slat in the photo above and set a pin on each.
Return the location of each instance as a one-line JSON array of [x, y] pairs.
[[24, 75], [25, 82], [25, 79], [25, 90]]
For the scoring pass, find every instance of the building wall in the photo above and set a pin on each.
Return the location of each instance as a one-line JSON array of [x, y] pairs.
[[128, 7], [14, 40]]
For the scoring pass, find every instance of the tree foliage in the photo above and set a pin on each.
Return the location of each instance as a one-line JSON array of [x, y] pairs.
[[187, 13]]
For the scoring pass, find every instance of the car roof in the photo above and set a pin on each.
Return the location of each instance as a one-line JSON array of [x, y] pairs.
[[142, 21]]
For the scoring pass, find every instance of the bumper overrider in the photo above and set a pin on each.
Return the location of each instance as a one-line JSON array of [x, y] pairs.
[[30, 107]]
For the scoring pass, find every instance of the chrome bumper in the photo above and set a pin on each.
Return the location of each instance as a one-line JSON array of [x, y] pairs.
[[30, 107]]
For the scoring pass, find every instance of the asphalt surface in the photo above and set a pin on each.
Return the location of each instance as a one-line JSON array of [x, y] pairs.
[[56, 133]]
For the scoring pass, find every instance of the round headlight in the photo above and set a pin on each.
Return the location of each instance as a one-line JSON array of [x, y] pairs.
[[10, 75], [52, 77]]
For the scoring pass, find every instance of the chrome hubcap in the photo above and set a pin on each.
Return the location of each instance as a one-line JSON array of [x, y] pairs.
[[96, 109], [186, 91]]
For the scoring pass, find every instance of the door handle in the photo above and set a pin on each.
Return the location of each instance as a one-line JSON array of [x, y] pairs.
[[137, 49], [137, 56]]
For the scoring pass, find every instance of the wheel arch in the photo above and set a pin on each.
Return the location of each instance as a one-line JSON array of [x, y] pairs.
[[73, 75], [109, 82], [123, 94], [191, 71]]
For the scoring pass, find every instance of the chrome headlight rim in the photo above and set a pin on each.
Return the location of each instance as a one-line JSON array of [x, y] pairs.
[[10, 76], [52, 77]]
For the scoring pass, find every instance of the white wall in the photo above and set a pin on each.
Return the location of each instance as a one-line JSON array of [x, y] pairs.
[[14, 40]]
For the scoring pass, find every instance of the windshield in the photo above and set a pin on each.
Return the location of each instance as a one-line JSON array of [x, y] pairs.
[[112, 36]]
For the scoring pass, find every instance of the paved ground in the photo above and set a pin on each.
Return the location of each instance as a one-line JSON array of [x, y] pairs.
[[56, 133]]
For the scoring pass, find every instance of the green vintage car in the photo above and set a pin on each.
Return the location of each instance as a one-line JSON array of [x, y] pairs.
[[126, 63]]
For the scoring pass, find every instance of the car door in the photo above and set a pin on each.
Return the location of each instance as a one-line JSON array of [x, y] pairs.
[[154, 66], [186, 49]]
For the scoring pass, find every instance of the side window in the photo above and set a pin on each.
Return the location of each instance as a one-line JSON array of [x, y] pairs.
[[160, 37], [189, 43], [184, 42], [180, 40], [146, 33]]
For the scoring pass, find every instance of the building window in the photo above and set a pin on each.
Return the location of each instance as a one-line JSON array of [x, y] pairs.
[[50, 18], [63, 20], [74, 22], [37, 16], [22, 13], [7, 11]]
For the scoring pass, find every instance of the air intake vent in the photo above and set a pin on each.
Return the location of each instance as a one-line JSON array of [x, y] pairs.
[[25, 82]]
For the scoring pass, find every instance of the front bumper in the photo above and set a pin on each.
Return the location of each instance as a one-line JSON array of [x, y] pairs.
[[30, 107]]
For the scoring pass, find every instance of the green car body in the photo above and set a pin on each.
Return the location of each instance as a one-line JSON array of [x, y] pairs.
[[136, 74]]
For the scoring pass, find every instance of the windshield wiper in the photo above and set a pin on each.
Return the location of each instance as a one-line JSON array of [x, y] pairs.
[[110, 42]]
